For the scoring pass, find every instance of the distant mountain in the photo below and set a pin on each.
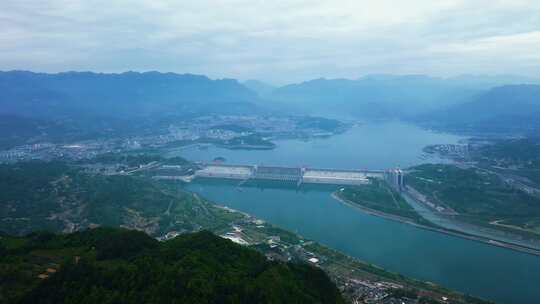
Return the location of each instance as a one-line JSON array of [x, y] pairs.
[[261, 88], [383, 96], [78, 105], [131, 94], [495, 80], [110, 265], [504, 109]]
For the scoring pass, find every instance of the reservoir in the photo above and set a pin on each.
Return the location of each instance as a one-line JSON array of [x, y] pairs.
[[370, 146], [495, 273]]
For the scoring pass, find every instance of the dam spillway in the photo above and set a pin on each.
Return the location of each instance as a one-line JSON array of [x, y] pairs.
[[289, 174]]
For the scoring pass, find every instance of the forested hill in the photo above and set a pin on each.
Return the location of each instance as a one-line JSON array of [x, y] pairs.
[[107, 265]]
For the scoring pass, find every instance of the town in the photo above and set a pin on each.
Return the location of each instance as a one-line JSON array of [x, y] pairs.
[[229, 131]]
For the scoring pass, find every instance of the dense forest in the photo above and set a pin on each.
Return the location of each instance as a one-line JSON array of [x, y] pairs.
[[112, 265]]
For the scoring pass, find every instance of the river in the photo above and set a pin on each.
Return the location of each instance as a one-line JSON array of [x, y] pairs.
[[495, 273]]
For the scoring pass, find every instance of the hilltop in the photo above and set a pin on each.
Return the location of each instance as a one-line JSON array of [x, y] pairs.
[[109, 265]]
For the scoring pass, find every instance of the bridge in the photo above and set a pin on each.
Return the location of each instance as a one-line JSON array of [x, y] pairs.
[[289, 174]]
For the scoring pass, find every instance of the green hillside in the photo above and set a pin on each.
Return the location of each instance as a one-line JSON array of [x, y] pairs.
[[109, 265], [60, 197]]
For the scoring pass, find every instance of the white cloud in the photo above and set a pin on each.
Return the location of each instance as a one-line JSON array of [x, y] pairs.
[[273, 40]]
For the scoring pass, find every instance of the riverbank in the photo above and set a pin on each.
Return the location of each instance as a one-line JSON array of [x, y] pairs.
[[408, 221], [471, 267], [354, 276]]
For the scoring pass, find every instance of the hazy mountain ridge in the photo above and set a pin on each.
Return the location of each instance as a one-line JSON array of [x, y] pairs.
[[504, 109], [120, 95], [263, 89], [386, 96], [126, 95], [75, 105]]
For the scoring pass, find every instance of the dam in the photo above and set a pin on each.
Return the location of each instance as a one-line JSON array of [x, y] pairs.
[[288, 174]]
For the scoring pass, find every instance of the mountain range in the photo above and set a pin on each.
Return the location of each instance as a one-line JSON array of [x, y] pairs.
[[509, 109], [385, 96], [75, 105], [129, 94]]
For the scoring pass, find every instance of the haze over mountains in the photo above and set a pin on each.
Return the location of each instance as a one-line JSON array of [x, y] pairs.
[[118, 95], [504, 109], [97, 103], [262, 89], [386, 96], [93, 104], [507, 104]]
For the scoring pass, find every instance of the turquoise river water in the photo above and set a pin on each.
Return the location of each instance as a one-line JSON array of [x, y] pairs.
[[494, 273]]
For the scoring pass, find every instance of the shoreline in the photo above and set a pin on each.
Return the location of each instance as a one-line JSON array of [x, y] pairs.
[[408, 221]]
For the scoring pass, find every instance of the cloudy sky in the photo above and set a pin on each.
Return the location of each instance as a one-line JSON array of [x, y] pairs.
[[276, 41]]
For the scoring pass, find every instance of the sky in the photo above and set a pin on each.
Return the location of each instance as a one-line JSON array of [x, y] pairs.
[[275, 41]]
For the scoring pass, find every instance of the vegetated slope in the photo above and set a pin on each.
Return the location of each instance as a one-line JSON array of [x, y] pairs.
[[479, 197], [109, 265], [59, 197], [505, 109], [379, 196], [516, 157]]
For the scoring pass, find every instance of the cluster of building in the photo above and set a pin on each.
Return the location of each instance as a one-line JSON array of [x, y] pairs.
[[192, 133], [49, 151], [456, 151], [214, 128], [91, 148], [366, 291], [86, 149], [23, 152], [252, 123]]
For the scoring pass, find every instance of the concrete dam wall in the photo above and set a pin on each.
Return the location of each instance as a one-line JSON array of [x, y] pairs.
[[289, 174]]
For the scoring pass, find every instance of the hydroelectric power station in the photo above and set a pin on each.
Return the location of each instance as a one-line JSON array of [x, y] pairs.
[[289, 174], [298, 175]]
